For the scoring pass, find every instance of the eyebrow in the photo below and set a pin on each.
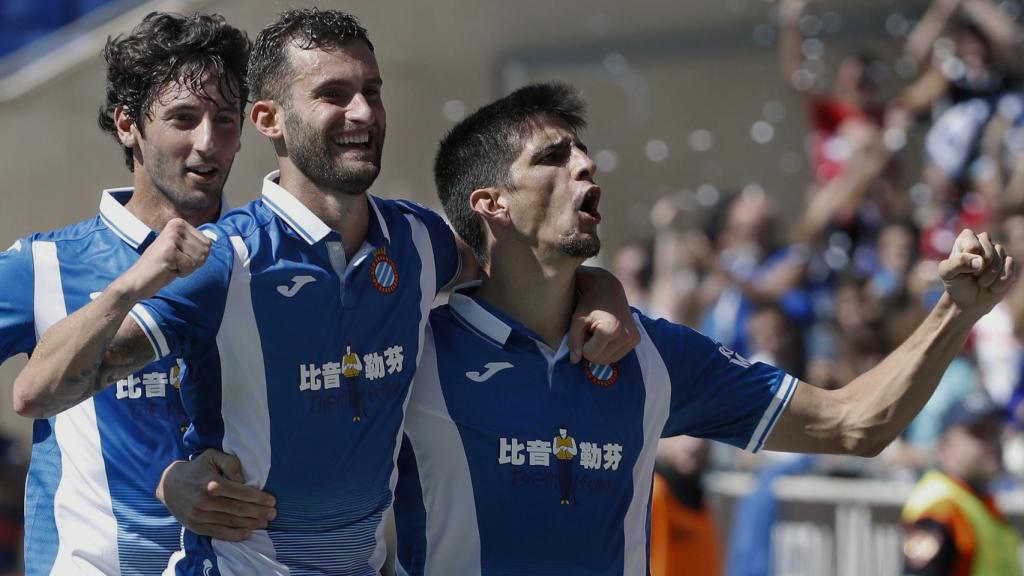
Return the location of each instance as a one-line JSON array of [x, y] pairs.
[[563, 142], [375, 82], [187, 107]]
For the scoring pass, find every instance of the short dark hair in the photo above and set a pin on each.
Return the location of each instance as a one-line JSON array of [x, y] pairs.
[[306, 28], [166, 48], [478, 152]]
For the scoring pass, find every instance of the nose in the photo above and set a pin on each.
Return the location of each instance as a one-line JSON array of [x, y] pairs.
[[585, 166], [359, 111], [204, 140]]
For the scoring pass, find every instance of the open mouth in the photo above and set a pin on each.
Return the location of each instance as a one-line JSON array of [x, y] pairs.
[[202, 170], [591, 198]]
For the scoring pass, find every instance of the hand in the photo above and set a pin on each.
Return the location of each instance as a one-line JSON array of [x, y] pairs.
[[209, 497], [664, 212], [603, 329], [792, 9], [178, 251], [977, 273]]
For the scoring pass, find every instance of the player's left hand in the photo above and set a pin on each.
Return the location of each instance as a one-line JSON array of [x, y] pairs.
[[209, 497], [603, 329], [977, 273]]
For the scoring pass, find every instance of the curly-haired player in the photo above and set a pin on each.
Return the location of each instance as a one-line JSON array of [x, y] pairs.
[[175, 95]]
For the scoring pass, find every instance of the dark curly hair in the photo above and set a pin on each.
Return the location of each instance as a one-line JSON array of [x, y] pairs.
[[167, 48], [269, 67], [478, 152]]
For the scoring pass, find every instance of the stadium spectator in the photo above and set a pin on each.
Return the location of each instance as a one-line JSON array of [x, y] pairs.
[[954, 527]]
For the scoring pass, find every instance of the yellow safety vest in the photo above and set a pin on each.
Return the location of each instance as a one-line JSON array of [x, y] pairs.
[[997, 545]]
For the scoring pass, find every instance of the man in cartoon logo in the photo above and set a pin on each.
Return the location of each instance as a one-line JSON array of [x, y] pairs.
[[350, 368], [564, 449], [518, 185]]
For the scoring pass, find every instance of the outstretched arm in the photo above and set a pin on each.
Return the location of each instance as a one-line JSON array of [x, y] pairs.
[[791, 58], [97, 345], [863, 417], [928, 30]]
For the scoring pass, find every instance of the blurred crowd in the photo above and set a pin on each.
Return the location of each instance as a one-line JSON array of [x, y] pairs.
[[827, 293], [897, 172]]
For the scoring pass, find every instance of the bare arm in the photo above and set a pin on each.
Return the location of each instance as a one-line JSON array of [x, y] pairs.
[[863, 417], [845, 192], [791, 58], [928, 30], [97, 345], [1000, 30]]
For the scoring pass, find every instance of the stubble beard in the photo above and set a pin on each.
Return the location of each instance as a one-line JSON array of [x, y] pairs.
[[576, 245], [310, 152]]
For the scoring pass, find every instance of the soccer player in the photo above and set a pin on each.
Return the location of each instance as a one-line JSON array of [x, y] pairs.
[[312, 286], [479, 490], [175, 96]]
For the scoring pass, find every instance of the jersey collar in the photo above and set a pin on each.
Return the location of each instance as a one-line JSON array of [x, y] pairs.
[[120, 220], [488, 321], [126, 225], [301, 219]]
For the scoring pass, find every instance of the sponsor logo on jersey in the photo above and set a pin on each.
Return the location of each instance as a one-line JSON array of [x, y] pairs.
[[490, 369], [148, 384], [351, 371], [602, 374], [383, 272], [297, 283], [561, 455]]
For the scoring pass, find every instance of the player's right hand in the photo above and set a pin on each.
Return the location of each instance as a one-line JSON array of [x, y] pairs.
[[208, 495], [178, 251]]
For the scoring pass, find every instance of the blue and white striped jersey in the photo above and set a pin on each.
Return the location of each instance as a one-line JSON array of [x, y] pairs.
[[518, 462], [90, 505], [300, 364]]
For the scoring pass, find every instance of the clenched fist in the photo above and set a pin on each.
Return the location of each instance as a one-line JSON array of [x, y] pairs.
[[178, 251], [977, 273]]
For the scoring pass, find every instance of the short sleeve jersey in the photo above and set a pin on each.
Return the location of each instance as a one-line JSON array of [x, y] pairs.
[[300, 365], [517, 461], [90, 505]]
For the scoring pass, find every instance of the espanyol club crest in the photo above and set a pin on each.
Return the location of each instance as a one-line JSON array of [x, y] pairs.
[[602, 374], [383, 272]]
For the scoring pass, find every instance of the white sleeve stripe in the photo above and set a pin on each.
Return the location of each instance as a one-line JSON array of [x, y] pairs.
[[156, 338], [772, 413]]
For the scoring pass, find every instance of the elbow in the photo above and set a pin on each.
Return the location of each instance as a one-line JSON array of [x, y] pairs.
[[868, 449], [26, 406], [863, 443], [25, 402]]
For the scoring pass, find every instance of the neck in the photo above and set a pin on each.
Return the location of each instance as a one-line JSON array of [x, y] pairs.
[[345, 213], [539, 294], [155, 210]]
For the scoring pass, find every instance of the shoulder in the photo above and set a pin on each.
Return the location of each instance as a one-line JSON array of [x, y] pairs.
[[404, 208], [72, 232], [21, 249]]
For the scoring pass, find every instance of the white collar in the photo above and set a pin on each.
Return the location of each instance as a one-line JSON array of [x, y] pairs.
[[301, 219], [122, 222], [125, 224], [476, 316]]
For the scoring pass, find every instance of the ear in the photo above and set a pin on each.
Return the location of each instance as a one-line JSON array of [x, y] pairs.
[[267, 116], [490, 204], [125, 125]]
